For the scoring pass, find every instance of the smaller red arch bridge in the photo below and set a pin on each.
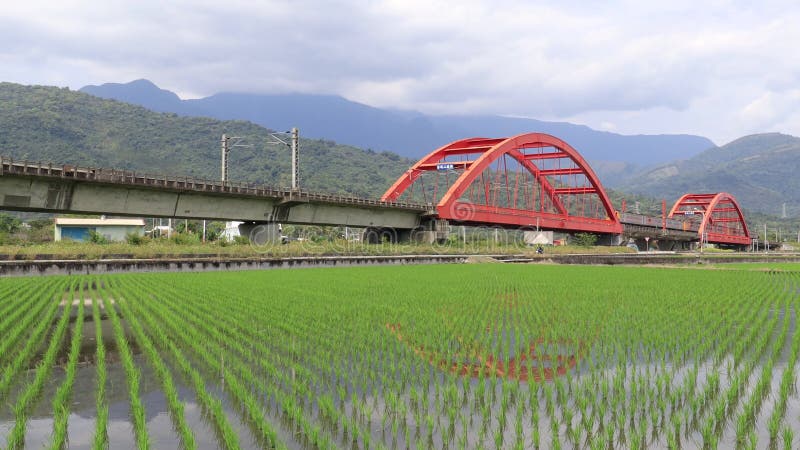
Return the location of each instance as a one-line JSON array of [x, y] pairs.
[[530, 180], [716, 217]]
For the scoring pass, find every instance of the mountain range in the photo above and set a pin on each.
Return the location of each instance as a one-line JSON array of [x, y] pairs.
[[407, 133]]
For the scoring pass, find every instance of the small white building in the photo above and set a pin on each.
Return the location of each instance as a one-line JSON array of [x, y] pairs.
[[78, 229], [538, 237]]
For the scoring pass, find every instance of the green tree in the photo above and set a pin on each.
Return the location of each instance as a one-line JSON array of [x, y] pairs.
[[9, 224], [41, 230]]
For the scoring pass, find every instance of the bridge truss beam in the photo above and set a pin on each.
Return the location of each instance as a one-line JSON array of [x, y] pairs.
[[526, 181]]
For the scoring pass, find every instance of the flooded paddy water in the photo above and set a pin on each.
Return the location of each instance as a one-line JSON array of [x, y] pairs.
[[507, 363]]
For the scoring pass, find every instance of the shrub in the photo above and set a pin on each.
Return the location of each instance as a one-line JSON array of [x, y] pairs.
[[135, 239], [97, 238], [184, 239], [585, 239]]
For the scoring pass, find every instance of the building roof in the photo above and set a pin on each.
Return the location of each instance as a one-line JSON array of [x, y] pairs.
[[70, 221]]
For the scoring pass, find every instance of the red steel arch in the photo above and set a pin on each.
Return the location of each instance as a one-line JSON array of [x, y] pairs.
[[551, 163], [721, 220]]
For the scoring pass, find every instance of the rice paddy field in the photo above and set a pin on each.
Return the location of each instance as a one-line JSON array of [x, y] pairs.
[[407, 357]]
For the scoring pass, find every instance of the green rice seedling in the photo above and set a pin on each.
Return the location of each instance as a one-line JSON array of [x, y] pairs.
[[22, 315], [672, 442], [752, 441], [549, 403], [237, 388], [788, 437], [100, 440], [164, 375], [429, 426], [498, 439], [211, 405], [36, 338], [133, 377], [31, 393], [774, 427], [742, 429], [637, 440], [63, 395]]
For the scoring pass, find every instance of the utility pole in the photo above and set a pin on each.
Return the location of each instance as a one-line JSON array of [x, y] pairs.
[[224, 165], [225, 174], [226, 148], [295, 158], [294, 145]]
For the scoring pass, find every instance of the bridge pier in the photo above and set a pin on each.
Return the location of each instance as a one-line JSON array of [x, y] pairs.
[[260, 233], [666, 244], [386, 235], [432, 231], [662, 243], [609, 240], [429, 232]]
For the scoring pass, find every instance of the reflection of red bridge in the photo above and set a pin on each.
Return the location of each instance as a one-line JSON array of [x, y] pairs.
[[534, 362], [532, 181]]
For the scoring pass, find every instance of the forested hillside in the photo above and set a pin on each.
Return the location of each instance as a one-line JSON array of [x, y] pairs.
[[63, 126]]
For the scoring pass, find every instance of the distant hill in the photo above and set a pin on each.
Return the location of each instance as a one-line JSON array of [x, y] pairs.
[[51, 124], [761, 171], [407, 133]]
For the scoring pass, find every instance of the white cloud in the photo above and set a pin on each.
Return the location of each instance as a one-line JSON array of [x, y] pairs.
[[771, 109], [608, 126], [720, 69]]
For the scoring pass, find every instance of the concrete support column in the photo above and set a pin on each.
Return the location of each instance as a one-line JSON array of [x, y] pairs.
[[610, 240], [261, 233], [379, 235]]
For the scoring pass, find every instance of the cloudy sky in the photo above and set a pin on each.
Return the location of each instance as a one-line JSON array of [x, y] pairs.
[[718, 68]]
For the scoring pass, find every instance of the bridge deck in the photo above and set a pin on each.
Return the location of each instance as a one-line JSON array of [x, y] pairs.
[[127, 177], [74, 189], [658, 222]]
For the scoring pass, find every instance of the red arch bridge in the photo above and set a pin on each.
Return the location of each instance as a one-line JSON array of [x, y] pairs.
[[531, 181]]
